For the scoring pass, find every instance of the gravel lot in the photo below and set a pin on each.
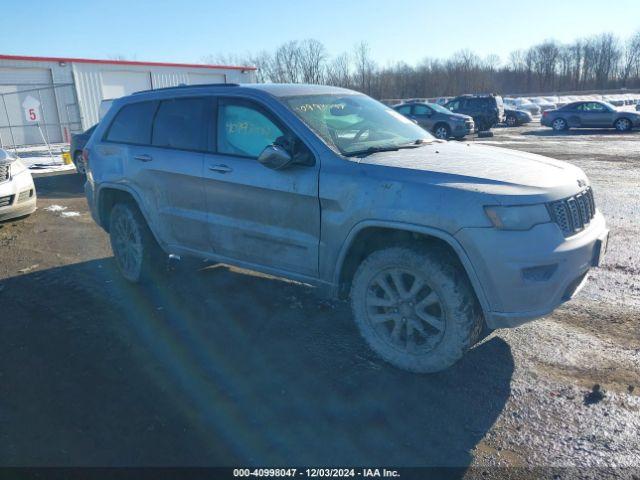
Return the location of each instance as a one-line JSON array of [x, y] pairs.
[[222, 367]]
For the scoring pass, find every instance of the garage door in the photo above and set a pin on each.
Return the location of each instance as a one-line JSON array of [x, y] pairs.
[[116, 84], [202, 78], [16, 84]]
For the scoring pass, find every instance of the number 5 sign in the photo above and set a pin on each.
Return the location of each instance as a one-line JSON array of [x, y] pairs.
[[31, 108]]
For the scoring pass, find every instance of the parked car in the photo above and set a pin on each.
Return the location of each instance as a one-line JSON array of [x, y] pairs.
[[515, 118], [486, 110], [543, 103], [590, 115], [638, 107], [527, 105], [431, 241], [437, 119], [78, 141], [17, 191]]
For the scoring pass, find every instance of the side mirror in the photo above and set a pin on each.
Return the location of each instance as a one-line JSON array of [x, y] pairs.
[[275, 157]]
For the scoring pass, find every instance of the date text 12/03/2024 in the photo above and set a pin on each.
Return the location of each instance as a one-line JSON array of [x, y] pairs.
[[316, 472]]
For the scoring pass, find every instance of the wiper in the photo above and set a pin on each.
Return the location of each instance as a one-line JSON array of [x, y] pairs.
[[389, 148]]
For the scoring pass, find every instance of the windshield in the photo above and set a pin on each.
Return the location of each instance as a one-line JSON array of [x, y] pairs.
[[356, 123], [439, 108]]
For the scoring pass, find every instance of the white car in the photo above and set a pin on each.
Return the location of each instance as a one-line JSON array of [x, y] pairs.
[[17, 191], [543, 103], [526, 105]]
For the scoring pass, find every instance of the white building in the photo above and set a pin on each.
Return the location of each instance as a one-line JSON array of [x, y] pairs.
[[49, 98]]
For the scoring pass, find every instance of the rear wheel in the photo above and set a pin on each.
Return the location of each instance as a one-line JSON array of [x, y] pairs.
[[441, 131], [622, 125], [559, 124], [78, 161], [136, 252], [415, 308]]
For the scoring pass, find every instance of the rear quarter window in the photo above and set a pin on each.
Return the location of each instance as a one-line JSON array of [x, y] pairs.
[[132, 124]]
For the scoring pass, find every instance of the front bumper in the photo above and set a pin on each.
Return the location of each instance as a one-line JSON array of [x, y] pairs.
[[17, 196], [461, 129], [527, 274]]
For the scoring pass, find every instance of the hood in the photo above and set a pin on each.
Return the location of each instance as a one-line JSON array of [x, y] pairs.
[[461, 116], [486, 169], [6, 157]]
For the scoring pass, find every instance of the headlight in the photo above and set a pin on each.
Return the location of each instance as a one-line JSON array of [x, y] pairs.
[[518, 217], [17, 167]]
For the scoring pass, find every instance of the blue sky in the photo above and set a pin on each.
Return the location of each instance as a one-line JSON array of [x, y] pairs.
[[409, 30]]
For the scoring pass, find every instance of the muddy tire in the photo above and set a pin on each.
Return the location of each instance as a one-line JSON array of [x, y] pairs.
[[137, 254], [415, 308]]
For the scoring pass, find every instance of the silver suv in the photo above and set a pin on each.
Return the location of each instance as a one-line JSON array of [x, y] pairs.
[[430, 240]]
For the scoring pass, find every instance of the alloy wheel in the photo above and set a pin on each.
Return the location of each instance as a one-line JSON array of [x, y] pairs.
[[127, 245], [405, 311], [441, 133]]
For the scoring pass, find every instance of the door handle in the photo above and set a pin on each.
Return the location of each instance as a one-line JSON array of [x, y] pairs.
[[143, 157], [220, 168]]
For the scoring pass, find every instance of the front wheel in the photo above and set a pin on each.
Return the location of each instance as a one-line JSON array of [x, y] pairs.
[[623, 125], [442, 132], [415, 308], [511, 121], [136, 251]]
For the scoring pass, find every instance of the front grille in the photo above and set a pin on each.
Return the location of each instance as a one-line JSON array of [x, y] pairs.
[[24, 196], [573, 214], [4, 172], [6, 201]]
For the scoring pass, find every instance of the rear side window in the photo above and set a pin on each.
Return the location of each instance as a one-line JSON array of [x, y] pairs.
[[405, 109], [133, 124], [181, 124]]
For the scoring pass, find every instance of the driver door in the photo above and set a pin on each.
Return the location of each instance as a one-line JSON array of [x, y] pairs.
[[255, 214]]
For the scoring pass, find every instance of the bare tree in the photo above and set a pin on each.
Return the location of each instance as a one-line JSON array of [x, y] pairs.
[[364, 66], [312, 59], [631, 58]]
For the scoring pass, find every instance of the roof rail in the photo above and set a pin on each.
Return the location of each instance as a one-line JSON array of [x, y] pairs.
[[177, 87]]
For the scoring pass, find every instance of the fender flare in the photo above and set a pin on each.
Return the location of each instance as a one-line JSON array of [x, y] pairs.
[[420, 229], [136, 198]]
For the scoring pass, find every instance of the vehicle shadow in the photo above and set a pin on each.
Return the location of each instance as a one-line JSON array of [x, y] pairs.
[[218, 368], [67, 185]]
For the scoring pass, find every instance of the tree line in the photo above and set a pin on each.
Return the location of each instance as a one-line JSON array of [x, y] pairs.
[[595, 63]]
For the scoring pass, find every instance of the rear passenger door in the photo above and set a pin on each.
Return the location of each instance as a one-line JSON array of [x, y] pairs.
[[174, 171], [161, 144], [256, 214]]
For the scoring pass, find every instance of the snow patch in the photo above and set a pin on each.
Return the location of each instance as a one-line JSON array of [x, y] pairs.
[[70, 214], [55, 208]]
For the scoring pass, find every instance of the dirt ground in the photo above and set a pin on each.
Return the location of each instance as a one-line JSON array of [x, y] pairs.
[[216, 366]]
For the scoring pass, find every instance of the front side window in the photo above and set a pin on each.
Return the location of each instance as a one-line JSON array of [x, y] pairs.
[[422, 110], [182, 124], [244, 129], [133, 124], [355, 123]]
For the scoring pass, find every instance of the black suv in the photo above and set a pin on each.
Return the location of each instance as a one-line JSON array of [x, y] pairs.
[[486, 110]]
